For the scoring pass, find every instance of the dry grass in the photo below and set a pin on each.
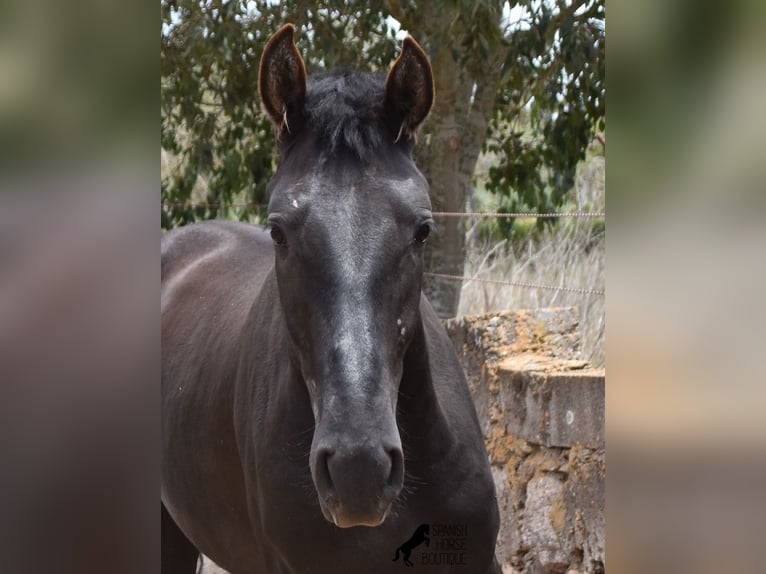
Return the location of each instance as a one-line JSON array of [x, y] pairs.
[[569, 254]]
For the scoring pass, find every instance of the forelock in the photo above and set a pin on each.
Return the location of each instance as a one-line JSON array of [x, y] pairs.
[[345, 110]]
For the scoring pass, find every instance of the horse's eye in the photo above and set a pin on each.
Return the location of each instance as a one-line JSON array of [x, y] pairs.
[[423, 232], [277, 236]]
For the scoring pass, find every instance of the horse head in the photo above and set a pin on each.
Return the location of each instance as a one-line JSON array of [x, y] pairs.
[[349, 215]]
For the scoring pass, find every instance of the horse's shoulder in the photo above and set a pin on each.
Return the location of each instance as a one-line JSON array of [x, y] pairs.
[[205, 236], [187, 245]]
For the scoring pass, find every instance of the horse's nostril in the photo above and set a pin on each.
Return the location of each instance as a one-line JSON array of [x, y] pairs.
[[396, 476], [323, 477]]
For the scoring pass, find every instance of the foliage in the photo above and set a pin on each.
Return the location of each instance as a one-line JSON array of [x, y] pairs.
[[549, 68], [210, 115], [550, 102]]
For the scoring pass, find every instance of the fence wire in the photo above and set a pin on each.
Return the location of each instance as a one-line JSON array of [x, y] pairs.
[[522, 284], [520, 215], [468, 214]]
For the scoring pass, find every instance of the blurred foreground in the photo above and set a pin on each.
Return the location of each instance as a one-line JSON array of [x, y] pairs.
[[686, 434]]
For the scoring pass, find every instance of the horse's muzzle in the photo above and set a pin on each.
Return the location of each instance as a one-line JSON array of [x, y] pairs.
[[357, 485]]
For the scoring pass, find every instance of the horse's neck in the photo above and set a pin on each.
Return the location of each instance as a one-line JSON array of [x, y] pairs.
[[266, 346], [421, 398]]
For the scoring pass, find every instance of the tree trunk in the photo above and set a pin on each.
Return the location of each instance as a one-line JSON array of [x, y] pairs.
[[440, 162], [451, 140], [457, 129]]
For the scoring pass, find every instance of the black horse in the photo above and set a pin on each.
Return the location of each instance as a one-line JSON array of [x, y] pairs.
[[313, 406], [418, 537]]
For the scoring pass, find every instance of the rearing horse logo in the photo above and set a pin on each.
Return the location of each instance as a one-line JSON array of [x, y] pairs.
[[419, 536]]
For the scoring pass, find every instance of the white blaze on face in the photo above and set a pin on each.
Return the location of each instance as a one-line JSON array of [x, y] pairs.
[[353, 243]]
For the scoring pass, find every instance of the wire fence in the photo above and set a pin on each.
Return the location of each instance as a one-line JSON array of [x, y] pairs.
[[521, 215], [467, 214], [522, 284]]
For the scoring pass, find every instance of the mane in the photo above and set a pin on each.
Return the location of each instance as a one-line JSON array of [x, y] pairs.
[[345, 110]]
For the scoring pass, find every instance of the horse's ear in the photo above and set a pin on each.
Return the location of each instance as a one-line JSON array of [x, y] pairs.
[[282, 79], [409, 89]]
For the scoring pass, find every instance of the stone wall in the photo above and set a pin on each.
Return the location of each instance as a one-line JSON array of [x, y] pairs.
[[542, 409]]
